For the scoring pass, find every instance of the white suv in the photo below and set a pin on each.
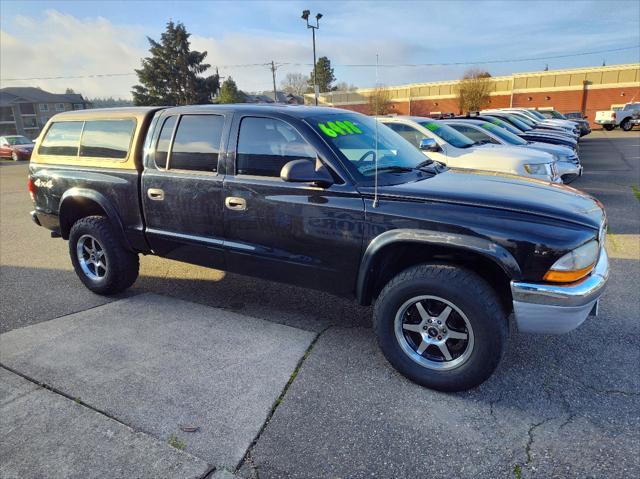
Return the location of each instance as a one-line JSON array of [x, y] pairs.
[[447, 146]]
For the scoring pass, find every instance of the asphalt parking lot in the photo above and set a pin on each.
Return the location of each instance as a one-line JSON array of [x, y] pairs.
[[558, 406]]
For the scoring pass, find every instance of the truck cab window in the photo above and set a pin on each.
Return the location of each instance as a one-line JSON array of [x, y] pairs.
[[197, 143], [265, 145], [164, 141]]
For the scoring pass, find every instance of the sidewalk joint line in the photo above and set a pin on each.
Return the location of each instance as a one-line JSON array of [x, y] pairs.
[[280, 398]]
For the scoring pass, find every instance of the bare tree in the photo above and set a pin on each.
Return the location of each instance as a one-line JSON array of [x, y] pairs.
[[379, 101], [295, 83], [473, 90]]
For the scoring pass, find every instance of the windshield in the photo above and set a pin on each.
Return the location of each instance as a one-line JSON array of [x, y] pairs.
[[558, 115], [353, 138], [520, 123], [504, 134], [448, 134], [18, 140], [524, 119], [535, 114], [502, 124]]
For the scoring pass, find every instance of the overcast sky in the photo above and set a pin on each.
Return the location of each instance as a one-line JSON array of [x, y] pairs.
[[79, 38]]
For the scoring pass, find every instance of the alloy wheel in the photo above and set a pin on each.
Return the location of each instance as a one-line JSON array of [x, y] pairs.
[[91, 257], [434, 332]]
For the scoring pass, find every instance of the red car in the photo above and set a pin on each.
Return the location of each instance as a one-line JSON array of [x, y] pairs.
[[16, 147]]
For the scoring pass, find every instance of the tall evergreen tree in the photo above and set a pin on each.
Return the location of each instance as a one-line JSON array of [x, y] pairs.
[[172, 74], [229, 92], [325, 75]]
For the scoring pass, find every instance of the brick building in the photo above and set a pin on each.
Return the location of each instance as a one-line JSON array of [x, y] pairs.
[[25, 110], [572, 90]]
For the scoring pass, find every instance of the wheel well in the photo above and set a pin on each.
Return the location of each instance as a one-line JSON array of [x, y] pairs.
[[76, 208], [394, 258]]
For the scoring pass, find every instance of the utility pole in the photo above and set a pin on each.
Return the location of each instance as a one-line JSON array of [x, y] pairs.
[[273, 73], [305, 17]]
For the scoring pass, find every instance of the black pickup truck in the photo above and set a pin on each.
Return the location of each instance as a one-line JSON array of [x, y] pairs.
[[328, 199]]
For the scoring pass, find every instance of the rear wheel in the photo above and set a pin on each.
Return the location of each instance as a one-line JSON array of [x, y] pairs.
[[608, 127], [441, 326], [626, 125], [100, 260]]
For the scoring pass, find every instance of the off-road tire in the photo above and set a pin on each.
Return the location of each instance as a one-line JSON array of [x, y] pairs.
[[626, 125], [608, 127], [122, 264], [472, 295]]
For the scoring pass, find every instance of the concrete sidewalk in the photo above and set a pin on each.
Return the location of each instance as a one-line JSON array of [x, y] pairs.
[[159, 365]]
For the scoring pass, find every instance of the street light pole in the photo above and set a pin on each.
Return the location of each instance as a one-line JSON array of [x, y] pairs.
[[305, 17]]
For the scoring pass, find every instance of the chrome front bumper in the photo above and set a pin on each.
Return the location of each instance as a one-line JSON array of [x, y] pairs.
[[555, 309]]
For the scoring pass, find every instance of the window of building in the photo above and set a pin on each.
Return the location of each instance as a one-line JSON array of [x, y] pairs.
[[27, 109], [6, 113], [265, 145], [30, 122], [62, 139], [59, 106], [44, 107], [164, 142], [107, 138], [197, 143], [78, 106]]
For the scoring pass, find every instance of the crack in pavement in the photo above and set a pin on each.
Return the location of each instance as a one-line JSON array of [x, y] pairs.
[[247, 458]]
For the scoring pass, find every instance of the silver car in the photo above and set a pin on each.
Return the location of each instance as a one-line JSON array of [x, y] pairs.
[[482, 132]]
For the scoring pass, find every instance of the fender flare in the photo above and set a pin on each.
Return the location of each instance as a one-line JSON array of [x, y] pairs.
[[478, 245], [102, 201]]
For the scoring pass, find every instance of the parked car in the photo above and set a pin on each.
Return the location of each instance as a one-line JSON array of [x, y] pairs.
[[328, 199], [527, 132], [578, 119], [539, 118], [626, 118], [567, 161], [526, 117], [455, 150], [16, 147]]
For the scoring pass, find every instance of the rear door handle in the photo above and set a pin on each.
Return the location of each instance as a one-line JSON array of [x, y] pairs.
[[155, 194], [236, 204]]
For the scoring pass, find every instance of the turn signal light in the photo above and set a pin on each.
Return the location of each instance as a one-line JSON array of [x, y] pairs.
[[567, 276]]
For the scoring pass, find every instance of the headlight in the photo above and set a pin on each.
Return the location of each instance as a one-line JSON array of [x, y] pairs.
[[575, 264], [538, 169]]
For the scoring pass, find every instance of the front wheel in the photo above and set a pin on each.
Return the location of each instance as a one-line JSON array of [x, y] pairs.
[[608, 127], [441, 326], [626, 125], [14, 156], [100, 260]]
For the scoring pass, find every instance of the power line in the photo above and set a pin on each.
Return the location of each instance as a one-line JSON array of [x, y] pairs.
[[349, 65]]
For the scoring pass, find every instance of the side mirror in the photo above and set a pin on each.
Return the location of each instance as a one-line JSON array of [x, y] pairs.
[[429, 144], [305, 171]]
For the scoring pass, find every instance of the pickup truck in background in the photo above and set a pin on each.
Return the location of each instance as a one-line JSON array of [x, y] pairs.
[[327, 199], [626, 118]]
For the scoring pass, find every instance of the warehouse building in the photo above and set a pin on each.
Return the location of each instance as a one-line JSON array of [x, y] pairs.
[[583, 90]]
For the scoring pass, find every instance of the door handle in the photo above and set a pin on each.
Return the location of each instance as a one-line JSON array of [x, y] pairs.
[[236, 204], [155, 194]]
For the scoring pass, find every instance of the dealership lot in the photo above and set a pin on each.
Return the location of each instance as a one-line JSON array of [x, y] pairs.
[[557, 406]]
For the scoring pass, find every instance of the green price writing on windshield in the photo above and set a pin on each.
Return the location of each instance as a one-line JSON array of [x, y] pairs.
[[339, 127], [432, 126], [496, 122], [487, 126]]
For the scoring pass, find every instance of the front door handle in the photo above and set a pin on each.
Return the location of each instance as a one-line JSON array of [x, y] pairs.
[[236, 204], [155, 194]]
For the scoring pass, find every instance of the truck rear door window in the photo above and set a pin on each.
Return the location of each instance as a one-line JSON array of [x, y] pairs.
[[265, 145], [107, 139], [197, 143], [62, 139]]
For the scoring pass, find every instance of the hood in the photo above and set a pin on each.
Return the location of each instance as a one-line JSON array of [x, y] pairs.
[[505, 192], [27, 147], [551, 148], [506, 152]]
